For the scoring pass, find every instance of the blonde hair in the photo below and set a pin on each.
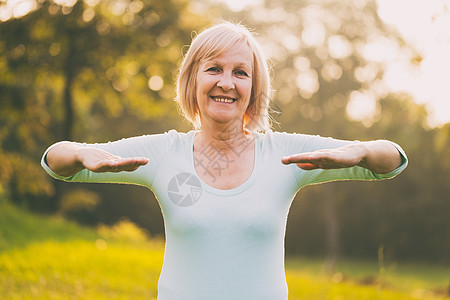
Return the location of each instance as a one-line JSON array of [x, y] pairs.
[[209, 44]]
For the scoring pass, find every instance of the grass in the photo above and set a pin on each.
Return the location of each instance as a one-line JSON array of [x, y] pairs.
[[19, 228], [355, 279], [80, 270], [51, 258]]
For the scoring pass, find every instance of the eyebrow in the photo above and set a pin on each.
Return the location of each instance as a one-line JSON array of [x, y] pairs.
[[218, 62]]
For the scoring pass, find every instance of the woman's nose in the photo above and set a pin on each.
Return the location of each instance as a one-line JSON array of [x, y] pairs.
[[226, 82]]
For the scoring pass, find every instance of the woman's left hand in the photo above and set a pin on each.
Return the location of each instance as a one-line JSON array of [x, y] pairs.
[[343, 157], [377, 156]]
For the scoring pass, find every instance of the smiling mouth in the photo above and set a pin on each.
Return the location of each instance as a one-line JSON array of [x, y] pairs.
[[223, 99]]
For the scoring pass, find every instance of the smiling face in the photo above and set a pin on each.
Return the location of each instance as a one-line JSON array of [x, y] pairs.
[[224, 85]]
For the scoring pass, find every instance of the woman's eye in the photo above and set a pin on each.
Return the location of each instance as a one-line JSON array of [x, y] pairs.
[[241, 73], [213, 69]]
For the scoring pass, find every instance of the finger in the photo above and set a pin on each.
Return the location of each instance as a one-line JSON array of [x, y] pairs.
[[293, 158], [308, 157], [132, 161], [142, 160], [101, 165], [129, 164], [107, 165], [307, 166]]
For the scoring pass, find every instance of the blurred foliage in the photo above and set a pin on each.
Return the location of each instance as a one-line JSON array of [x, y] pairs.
[[78, 199], [100, 70], [84, 71], [124, 230]]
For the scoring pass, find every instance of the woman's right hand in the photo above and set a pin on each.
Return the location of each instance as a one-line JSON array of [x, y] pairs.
[[97, 160], [67, 159]]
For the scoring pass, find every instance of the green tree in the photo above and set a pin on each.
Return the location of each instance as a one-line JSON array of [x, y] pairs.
[[81, 71]]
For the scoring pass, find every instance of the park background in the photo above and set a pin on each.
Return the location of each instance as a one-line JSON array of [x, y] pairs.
[[101, 70]]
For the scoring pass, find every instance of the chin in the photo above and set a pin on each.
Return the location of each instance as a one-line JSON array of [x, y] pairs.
[[224, 118]]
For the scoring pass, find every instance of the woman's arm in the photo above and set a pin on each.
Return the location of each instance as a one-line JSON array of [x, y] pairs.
[[379, 156], [66, 159]]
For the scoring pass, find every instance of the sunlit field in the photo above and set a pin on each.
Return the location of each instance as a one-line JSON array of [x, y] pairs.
[[49, 258]]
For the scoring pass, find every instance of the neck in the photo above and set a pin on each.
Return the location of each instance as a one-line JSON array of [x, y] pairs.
[[224, 137]]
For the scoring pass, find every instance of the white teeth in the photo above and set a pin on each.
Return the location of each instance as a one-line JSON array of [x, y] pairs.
[[223, 100]]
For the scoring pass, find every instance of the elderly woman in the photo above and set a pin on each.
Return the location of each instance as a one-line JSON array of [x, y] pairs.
[[225, 188]]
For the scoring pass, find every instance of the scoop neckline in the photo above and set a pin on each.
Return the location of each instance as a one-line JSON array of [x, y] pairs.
[[229, 192]]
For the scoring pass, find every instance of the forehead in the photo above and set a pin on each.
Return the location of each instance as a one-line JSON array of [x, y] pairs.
[[239, 53]]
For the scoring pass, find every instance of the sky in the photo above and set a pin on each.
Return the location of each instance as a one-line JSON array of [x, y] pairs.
[[426, 25]]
